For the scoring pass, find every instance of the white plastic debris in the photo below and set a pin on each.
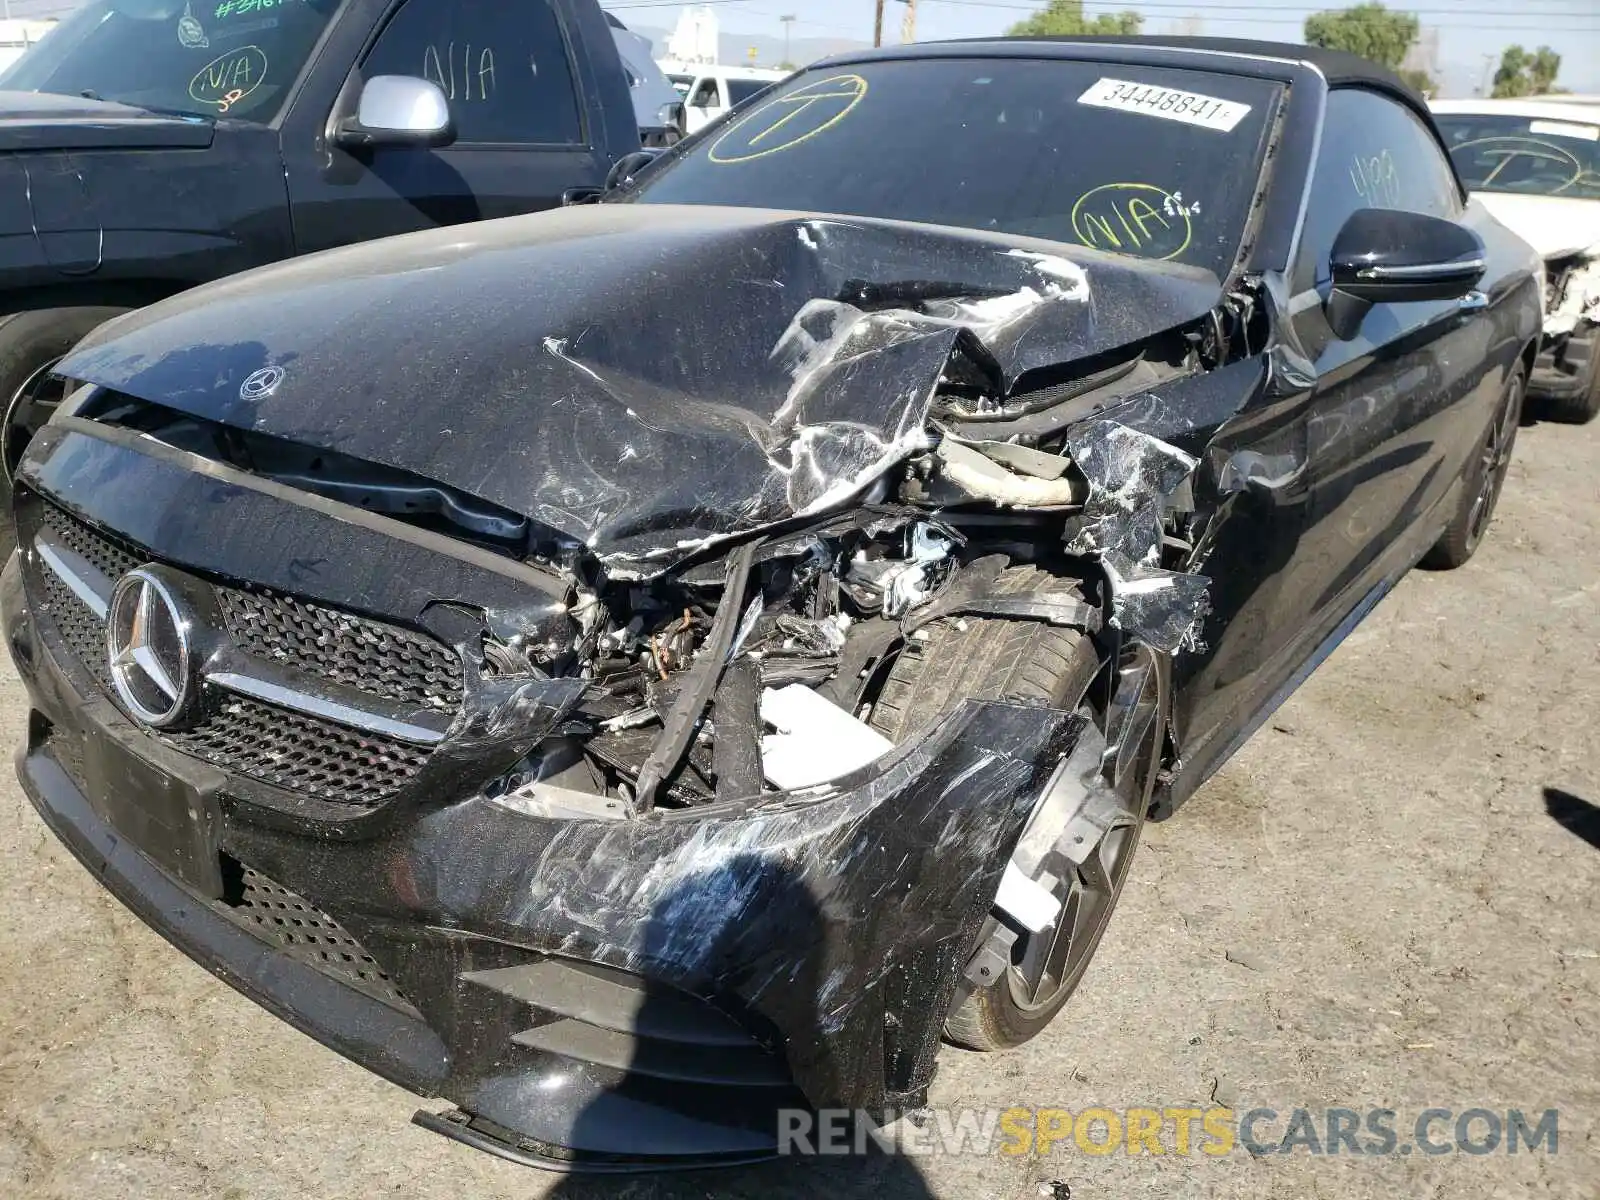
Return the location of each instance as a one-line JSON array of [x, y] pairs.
[[817, 741], [1026, 901]]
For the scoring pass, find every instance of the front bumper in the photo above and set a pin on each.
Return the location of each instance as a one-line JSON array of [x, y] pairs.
[[593, 994], [1565, 367]]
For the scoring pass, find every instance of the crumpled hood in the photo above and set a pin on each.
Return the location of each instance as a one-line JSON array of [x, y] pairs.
[[42, 121], [1553, 225], [640, 377]]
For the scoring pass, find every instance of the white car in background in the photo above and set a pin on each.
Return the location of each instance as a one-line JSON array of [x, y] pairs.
[[1535, 164], [708, 92]]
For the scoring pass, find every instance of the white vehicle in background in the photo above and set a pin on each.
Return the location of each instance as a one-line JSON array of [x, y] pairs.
[[708, 92], [1535, 165], [18, 36]]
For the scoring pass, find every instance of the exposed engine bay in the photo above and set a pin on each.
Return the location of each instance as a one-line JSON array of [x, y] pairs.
[[738, 539], [751, 664], [1572, 292]]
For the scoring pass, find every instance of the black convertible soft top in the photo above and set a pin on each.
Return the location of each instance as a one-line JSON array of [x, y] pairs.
[[1337, 66]]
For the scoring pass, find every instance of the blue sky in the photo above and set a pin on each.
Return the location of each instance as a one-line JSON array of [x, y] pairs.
[[1468, 29]]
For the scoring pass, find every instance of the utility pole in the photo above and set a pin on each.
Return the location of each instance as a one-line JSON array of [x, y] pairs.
[[788, 24], [908, 27], [877, 25]]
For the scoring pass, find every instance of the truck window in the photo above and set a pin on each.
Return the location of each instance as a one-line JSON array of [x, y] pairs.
[[705, 96], [740, 90], [503, 66], [235, 59]]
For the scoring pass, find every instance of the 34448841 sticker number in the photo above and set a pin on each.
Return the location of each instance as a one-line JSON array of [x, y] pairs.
[[1191, 108]]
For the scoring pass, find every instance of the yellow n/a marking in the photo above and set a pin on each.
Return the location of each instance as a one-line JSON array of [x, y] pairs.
[[1143, 213], [1100, 230]]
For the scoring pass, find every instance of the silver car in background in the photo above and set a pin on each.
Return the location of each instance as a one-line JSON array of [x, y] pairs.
[[657, 105]]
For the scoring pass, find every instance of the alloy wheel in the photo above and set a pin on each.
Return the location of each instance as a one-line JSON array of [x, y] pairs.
[[1493, 463], [1079, 843]]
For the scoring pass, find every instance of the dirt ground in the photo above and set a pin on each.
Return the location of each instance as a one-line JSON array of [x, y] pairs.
[[1391, 898]]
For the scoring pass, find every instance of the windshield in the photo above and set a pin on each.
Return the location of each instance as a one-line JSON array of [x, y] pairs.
[[207, 57], [1500, 153], [1134, 160]]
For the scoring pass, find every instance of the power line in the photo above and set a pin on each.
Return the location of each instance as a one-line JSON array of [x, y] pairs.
[[630, 4], [1295, 16], [1201, 7]]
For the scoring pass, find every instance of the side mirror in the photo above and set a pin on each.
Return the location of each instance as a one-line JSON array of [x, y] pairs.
[[1386, 256], [629, 166], [399, 110]]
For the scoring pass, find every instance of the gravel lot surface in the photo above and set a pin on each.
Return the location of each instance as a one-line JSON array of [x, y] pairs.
[[1374, 905]]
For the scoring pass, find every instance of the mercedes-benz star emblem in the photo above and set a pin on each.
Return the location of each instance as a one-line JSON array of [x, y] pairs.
[[261, 384], [147, 636]]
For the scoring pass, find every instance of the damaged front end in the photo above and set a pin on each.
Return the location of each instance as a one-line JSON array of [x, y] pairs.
[[1565, 367], [649, 867]]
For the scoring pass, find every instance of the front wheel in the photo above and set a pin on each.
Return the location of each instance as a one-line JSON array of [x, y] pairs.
[[1485, 476], [1081, 863], [31, 344]]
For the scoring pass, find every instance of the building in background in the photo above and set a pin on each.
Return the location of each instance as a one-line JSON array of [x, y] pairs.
[[694, 41], [17, 35]]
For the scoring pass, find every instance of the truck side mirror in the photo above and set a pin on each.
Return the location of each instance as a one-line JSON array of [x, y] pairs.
[[398, 110]]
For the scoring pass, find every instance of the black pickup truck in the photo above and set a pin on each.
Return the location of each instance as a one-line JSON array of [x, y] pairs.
[[147, 146]]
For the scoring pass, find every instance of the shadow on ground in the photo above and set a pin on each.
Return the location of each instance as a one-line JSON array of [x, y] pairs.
[[1574, 814]]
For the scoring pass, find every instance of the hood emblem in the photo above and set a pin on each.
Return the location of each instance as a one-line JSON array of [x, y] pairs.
[[261, 384], [147, 639]]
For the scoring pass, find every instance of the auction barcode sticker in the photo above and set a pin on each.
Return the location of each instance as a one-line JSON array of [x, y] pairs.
[[1191, 108]]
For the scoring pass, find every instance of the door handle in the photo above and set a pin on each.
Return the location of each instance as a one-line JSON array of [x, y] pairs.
[[1474, 301]]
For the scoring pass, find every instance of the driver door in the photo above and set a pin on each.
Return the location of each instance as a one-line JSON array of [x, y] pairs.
[[705, 103], [1371, 456]]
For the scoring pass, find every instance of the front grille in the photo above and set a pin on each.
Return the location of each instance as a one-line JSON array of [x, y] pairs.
[[307, 755], [82, 631], [300, 753], [293, 925], [378, 659], [111, 558]]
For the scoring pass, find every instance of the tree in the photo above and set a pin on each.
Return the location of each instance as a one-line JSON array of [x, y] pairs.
[[1370, 30], [1064, 18], [1524, 74], [1421, 80]]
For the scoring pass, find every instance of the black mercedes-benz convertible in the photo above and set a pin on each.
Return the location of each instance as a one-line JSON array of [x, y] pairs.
[[637, 668]]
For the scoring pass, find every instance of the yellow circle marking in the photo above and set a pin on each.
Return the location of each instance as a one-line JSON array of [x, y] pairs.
[[1132, 218], [241, 70], [783, 123]]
